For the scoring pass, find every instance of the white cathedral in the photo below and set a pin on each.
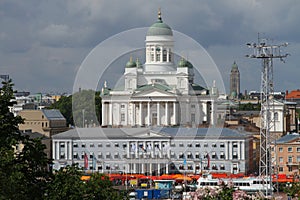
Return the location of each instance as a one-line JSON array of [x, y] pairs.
[[159, 92]]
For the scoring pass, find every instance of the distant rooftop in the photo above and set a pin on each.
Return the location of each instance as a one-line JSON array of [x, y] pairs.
[[53, 114], [288, 138]]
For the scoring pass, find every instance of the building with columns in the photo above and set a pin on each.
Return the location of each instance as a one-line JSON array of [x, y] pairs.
[[155, 151], [159, 92]]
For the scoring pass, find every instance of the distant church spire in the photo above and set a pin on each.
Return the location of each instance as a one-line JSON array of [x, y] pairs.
[[234, 81]]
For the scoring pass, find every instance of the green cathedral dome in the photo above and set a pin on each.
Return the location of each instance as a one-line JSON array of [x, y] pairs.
[[184, 63], [159, 28]]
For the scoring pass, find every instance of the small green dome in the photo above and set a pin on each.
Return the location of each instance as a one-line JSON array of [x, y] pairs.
[[184, 63], [159, 28], [130, 63]]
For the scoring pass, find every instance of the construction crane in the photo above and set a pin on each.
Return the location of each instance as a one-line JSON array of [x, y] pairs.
[[266, 53]]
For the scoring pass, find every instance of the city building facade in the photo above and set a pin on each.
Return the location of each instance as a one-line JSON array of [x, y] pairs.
[[288, 154], [45, 122], [155, 151]]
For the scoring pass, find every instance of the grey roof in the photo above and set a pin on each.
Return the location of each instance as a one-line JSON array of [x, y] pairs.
[[288, 138], [161, 132], [53, 114], [100, 133], [33, 135], [203, 132]]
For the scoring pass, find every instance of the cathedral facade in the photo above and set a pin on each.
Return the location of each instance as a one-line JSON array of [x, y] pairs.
[[159, 92]]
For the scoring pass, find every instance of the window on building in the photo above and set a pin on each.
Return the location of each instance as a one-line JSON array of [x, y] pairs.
[[193, 117], [164, 56], [290, 149], [181, 144], [235, 156], [197, 155], [75, 156], [290, 159], [99, 144], [62, 145], [276, 116], [92, 145], [193, 106], [122, 106], [281, 159], [290, 168], [222, 155], [280, 149], [190, 167], [107, 167], [116, 156], [298, 149], [189, 145], [116, 144], [75, 145], [197, 145], [298, 159], [172, 167], [108, 155], [123, 117], [124, 145], [222, 167], [234, 145], [181, 167], [222, 145], [172, 154], [83, 145], [181, 155], [99, 155], [91, 156], [108, 144], [172, 144], [62, 156], [189, 155], [280, 169], [214, 155], [205, 145], [214, 145]]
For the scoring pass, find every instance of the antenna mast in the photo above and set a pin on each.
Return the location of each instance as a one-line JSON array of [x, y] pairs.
[[266, 52]]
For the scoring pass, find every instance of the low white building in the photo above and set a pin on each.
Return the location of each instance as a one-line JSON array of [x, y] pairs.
[[155, 151]]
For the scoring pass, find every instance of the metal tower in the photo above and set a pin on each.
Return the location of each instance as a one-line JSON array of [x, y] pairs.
[[266, 52]]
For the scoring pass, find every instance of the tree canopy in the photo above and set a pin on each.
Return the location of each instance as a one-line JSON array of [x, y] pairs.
[[81, 109]]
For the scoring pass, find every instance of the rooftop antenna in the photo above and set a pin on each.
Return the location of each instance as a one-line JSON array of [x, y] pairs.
[[267, 52]]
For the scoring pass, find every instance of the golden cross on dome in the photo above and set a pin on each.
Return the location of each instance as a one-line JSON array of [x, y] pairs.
[[159, 14]]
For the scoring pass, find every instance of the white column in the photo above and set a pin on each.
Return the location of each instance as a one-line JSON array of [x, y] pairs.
[[161, 54], [143, 165], [141, 117], [136, 150], [57, 151], [54, 150], [150, 167], [175, 113], [158, 114], [229, 150], [167, 168], [103, 115], [110, 115], [133, 114], [158, 168], [70, 151], [166, 113], [168, 52], [213, 117], [148, 112], [154, 53], [242, 148]]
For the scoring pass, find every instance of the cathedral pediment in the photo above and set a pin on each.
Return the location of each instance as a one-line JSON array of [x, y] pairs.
[[151, 134], [153, 93]]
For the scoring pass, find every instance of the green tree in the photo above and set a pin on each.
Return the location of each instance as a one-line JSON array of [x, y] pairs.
[[100, 187], [66, 184], [23, 171], [81, 107], [64, 105]]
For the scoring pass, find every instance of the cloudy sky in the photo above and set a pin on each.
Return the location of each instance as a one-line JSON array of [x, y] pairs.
[[43, 43]]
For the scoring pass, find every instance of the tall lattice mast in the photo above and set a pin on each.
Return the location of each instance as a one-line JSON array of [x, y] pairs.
[[266, 52]]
